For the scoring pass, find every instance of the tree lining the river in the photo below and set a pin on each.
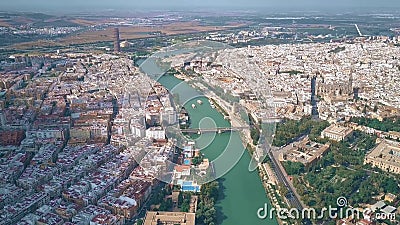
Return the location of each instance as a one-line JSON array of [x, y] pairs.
[[206, 213]]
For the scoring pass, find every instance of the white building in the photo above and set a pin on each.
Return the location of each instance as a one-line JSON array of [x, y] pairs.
[[155, 133], [169, 116], [189, 150], [336, 132], [137, 128], [181, 170], [47, 134], [308, 109], [385, 156]]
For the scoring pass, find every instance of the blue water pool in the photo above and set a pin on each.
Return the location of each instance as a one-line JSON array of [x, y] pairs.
[[191, 188], [186, 162]]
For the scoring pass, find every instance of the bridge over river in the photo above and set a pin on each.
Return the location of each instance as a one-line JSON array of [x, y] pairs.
[[212, 130]]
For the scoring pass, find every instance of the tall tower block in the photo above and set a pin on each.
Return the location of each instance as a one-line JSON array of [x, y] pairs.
[[314, 104], [116, 40], [2, 119]]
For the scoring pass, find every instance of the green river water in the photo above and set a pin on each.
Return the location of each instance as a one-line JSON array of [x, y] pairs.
[[242, 193]]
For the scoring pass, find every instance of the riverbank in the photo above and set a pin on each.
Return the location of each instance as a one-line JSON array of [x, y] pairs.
[[273, 190], [220, 109], [242, 192]]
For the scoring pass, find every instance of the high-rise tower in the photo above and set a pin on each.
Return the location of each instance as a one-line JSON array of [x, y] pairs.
[[313, 95], [2, 119], [116, 40]]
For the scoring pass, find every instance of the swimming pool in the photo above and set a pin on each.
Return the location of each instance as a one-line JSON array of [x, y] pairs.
[[186, 161], [191, 188], [188, 186]]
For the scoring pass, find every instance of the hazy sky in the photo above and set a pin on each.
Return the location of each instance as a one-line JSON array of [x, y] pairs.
[[46, 5]]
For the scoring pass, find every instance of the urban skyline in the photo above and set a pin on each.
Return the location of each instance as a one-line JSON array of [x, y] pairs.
[[126, 113]]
